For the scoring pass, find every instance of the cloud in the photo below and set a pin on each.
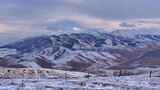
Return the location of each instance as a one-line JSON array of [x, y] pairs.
[[140, 24], [106, 9], [64, 26], [124, 24], [75, 1], [4, 28], [88, 21], [34, 17]]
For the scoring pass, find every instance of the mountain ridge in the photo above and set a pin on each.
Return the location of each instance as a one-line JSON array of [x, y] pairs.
[[80, 51]]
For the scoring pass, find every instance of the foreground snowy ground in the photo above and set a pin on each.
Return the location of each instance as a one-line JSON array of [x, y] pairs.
[[94, 83]]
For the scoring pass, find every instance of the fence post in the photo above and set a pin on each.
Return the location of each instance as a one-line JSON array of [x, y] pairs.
[[21, 86], [150, 74], [65, 75], [120, 73], [88, 75]]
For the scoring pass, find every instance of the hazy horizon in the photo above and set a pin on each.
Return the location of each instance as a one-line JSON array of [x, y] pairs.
[[25, 18]]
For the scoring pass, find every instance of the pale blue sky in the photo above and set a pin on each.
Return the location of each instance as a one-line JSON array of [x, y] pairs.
[[36, 17]]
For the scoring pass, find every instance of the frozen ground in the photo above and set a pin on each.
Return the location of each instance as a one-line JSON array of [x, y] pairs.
[[94, 83]]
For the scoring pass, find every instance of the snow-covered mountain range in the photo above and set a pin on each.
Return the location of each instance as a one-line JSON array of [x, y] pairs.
[[83, 51]]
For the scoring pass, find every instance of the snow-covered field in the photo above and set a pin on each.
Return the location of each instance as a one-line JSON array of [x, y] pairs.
[[94, 83], [50, 79]]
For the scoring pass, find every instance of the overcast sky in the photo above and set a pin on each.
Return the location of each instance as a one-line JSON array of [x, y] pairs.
[[24, 18]]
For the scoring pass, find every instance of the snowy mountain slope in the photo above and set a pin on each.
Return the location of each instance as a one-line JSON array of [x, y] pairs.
[[134, 32], [5, 51], [81, 51]]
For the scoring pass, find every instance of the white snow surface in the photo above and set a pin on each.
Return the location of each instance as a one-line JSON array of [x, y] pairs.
[[94, 83], [6, 51]]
